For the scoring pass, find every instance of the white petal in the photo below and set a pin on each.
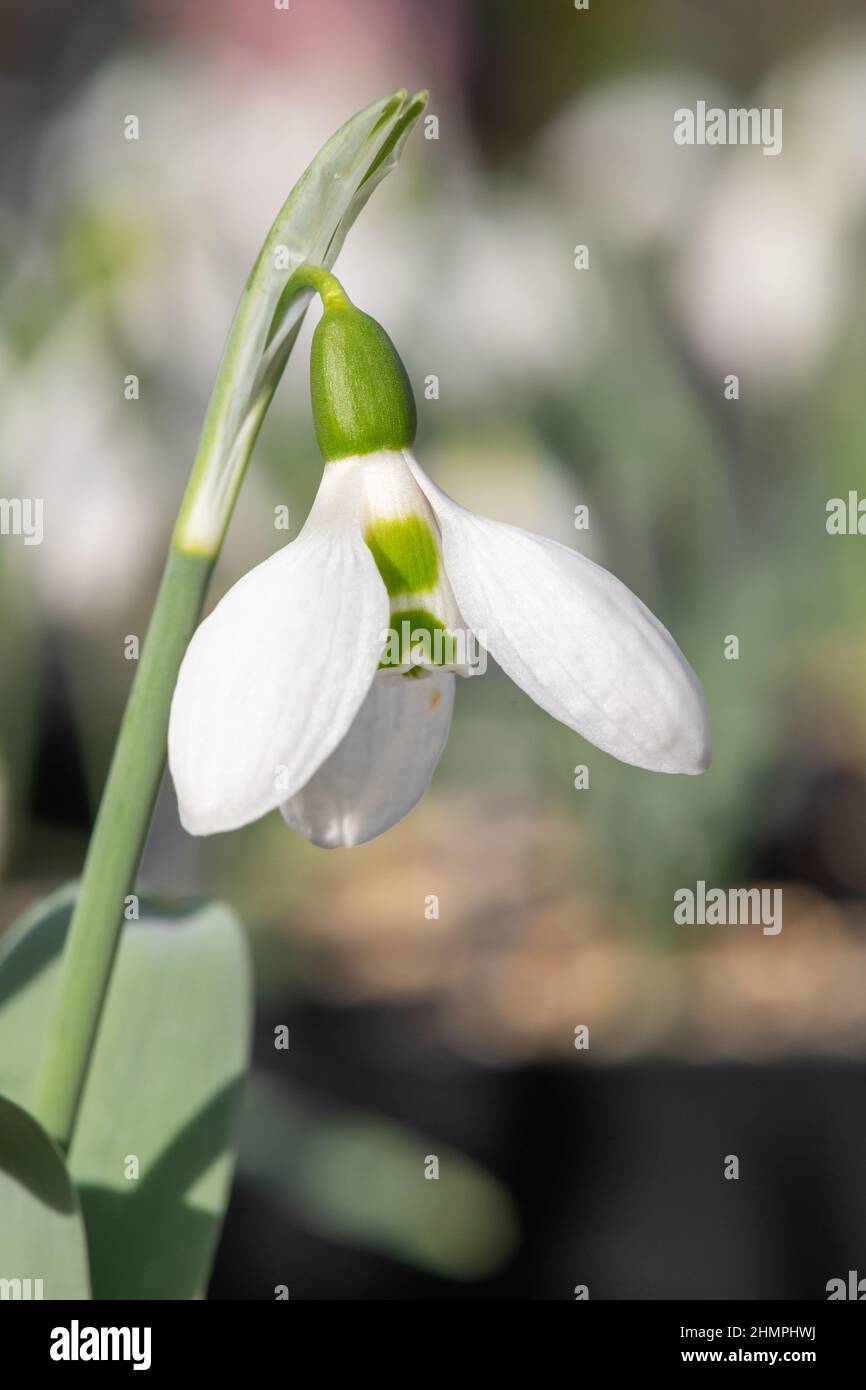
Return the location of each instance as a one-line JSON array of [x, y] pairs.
[[273, 679], [575, 639], [383, 766]]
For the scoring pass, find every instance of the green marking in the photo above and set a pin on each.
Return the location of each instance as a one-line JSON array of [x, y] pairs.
[[406, 554], [417, 635]]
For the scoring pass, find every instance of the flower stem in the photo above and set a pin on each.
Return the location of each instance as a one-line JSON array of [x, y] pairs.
[[125, 812], [325, 285], [117, 844], [310, 227], [139, 757]]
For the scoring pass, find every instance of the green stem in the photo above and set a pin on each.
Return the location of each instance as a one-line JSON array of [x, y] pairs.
[[117, 843], [322, 282], [125, 812], [126, 809], [313, 222]]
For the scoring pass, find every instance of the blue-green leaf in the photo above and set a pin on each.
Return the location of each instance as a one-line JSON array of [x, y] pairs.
[[152, 1154], [43, 1249]]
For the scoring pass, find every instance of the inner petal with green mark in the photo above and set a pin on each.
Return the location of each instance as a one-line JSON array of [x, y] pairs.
[[406, 553], [426, 629]]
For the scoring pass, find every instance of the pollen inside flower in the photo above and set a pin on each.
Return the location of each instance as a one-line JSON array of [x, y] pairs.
[[406, 553]]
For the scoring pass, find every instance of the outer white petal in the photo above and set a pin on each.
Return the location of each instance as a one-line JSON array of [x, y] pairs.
[[575, 639], [273, 679], [383, 766]]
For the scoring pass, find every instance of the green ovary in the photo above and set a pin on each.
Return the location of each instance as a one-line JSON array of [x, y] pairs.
[[417, 636], [406, 554]]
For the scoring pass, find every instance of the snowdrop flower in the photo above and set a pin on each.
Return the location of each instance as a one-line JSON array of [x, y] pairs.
[[323, 683]]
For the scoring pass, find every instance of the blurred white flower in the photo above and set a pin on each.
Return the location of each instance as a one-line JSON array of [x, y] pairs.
[[610, 158], [824, 94], [756, 279], [71, 440], [509, 310], [756, 248], [216, 157]]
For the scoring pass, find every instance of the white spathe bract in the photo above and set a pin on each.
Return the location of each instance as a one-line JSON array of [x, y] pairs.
[[281, 700]]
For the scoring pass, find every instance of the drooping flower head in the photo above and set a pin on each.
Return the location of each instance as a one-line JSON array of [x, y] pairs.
[[323, 682]]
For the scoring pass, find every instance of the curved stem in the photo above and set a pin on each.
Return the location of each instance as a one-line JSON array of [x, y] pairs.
[[322, 282]]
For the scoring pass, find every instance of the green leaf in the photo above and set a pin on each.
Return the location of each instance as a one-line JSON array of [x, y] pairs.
[[43, 1248], [162, 1094], [360, 1178], [29, 950]]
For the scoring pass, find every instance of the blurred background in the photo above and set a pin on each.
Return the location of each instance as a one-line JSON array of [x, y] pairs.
[[557, 388]]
